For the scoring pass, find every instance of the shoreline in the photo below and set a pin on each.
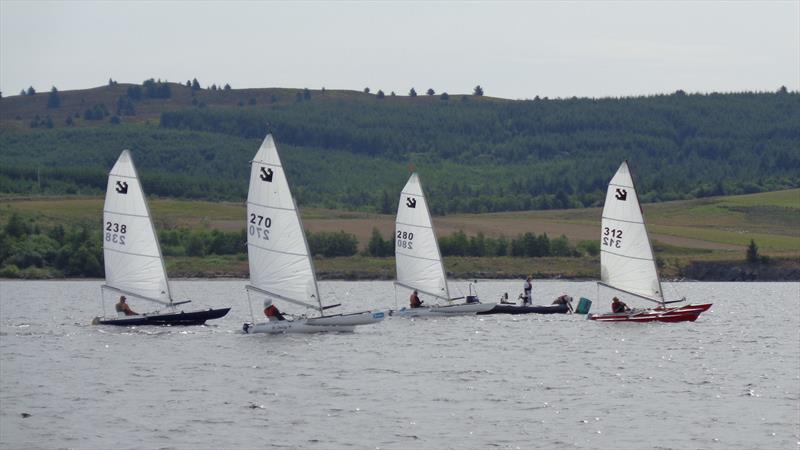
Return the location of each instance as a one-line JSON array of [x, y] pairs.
[[586, 270]]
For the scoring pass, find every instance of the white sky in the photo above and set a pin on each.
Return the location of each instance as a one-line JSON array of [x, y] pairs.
[[512, 49]]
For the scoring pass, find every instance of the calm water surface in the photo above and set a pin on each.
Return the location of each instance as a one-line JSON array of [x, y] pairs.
[[729, 380]]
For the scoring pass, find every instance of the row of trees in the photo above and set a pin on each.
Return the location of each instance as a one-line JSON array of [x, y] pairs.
[[27, 249], [477, 91], [525, 245]]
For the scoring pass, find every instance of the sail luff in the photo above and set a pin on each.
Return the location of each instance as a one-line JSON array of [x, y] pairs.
[[310, 259], [438, 250]]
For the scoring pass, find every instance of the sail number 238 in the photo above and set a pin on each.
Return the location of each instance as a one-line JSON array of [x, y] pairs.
[[612, 237], [115, 232], [259, 226], [404, 239]]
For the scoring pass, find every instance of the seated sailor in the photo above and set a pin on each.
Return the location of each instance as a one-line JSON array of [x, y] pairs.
[[618, 306], [414, 300], [123, 309], [272, 312]]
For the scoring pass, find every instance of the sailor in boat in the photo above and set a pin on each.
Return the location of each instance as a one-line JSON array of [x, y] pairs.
[[414, 300], [526, 292], [618, 306], [564, 299], [123, 309], [271, 311]]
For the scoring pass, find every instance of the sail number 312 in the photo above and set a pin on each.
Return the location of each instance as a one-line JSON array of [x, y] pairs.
[[259, 226], [404, 239], [115, 232], [612, 237]]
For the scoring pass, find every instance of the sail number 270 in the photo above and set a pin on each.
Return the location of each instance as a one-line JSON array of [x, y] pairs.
[[259, 226], [612, 237]]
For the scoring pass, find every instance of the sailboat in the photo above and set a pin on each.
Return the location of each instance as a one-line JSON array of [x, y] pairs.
[[281, 267], [134, 265], [627, 264], [419, 261]]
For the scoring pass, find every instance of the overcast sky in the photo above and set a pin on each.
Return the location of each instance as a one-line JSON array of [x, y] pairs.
[[512, 49]]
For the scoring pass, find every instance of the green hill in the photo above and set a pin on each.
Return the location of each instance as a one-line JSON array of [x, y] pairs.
[[351, 150]]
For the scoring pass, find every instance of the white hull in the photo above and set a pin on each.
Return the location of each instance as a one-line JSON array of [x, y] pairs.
[[444, 310], [343, 323], [294, 326], [361, 318]]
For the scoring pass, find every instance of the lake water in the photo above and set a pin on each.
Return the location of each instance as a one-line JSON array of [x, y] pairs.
[[731, 380]]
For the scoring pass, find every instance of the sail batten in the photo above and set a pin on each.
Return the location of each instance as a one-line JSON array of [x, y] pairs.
[[280, 261], [131, 252], [626, 258], [419, 261]]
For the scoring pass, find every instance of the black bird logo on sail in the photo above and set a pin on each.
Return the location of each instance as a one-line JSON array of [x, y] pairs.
[[266, 174], [122, 187], [411, 202], [621, 194]]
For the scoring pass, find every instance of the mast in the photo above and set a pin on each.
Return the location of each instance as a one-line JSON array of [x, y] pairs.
[[649, 242], [433, 229], [153, 228], [310, 258]]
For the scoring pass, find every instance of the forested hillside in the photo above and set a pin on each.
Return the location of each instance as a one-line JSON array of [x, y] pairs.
[[351, 150]]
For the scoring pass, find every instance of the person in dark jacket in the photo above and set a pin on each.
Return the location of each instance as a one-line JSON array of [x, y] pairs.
[[618, 306], [414, 300]]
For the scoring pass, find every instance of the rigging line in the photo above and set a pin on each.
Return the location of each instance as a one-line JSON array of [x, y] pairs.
[[266, 163], [131, 253], [412, 225], [105, 211], [625, 256], [276, 251], [269, 207], [620, 185], [623, 220], [655, 300], [417, 257], [123, 176]]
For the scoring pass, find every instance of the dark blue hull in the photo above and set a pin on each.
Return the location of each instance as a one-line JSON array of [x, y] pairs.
[[179, 318]]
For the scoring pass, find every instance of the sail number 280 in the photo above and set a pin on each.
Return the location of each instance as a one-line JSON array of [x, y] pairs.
[[612, 237], [259, 226], [115, 232], [404, 239]]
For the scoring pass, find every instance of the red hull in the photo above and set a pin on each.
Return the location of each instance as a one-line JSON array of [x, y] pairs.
[[688, 313]]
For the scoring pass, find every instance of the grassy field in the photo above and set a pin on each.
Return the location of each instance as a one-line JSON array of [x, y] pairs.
[[712, 229]]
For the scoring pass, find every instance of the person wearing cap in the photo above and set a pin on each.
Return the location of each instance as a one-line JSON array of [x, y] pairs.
[[414, 300], [526, 289], [618, 306], [123, 308], [271, 311]]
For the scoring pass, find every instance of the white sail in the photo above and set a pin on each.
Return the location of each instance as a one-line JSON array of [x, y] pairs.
[[626, 259], [280, 263], [419, 262], [131, 252]]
